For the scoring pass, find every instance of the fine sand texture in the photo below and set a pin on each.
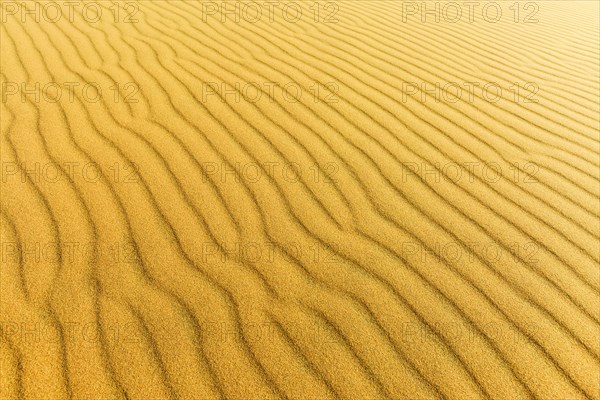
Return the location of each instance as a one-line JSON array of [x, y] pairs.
[[356, 199]]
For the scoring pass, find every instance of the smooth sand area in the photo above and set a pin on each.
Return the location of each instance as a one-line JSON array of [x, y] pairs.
[[355, 199]]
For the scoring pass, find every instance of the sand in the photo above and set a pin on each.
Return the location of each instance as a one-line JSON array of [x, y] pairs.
[[304, 200]]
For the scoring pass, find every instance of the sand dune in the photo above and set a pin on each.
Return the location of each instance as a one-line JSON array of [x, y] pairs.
[[305, 200]]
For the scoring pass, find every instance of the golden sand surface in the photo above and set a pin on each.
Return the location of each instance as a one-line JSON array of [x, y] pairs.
[[354, 199]]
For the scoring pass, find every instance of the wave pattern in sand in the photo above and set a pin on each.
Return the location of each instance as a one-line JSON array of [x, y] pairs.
[[321, 200]]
